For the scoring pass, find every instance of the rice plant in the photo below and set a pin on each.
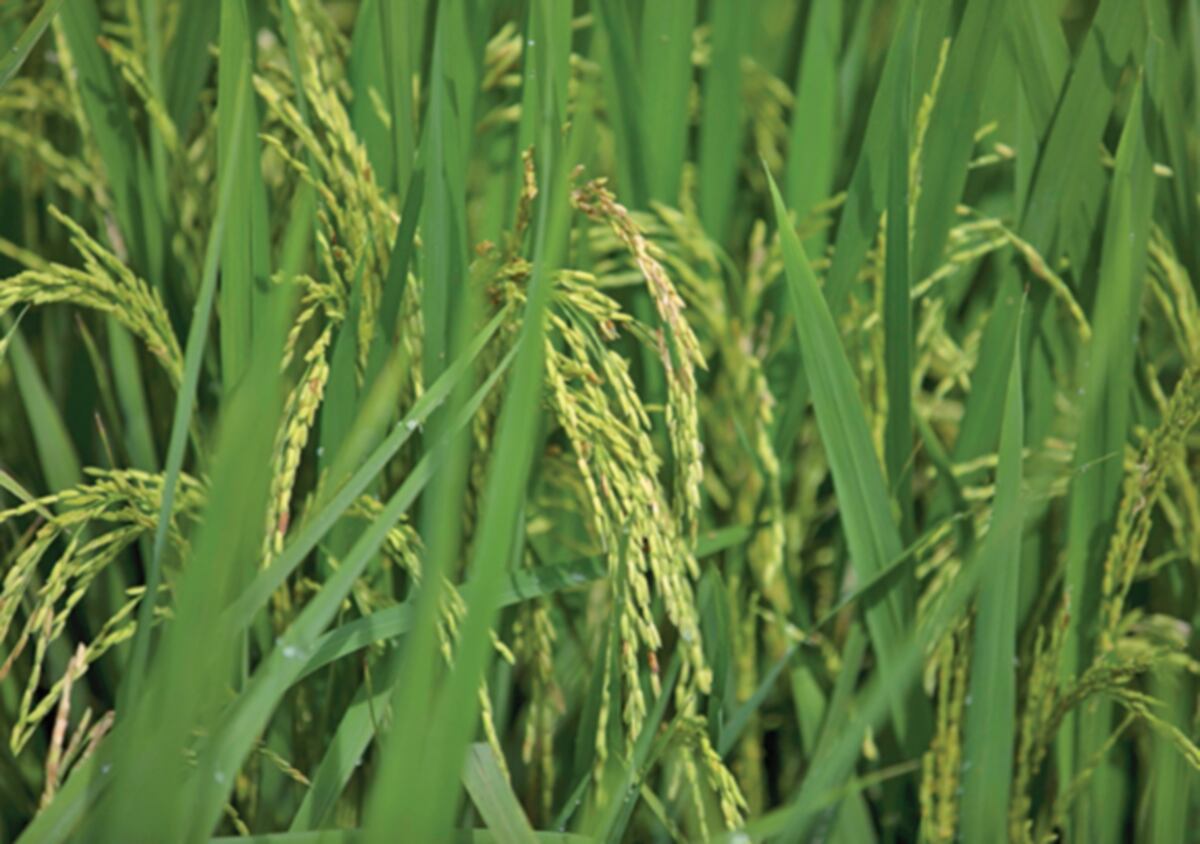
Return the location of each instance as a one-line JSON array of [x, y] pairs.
[[610, 420]]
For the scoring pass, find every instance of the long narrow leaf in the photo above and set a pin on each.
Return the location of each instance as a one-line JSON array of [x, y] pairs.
[[990, 731], [872, 536], [16, 55]]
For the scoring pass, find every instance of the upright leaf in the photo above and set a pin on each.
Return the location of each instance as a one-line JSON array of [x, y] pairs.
[[865, 513], [245, 255], [951, 136], [1108, 393], [721, 117], [897, 297], [812, 158], [990, 732], [666, 62]]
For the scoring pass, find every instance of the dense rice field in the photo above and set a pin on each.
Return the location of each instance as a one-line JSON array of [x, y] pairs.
[[625, 420]]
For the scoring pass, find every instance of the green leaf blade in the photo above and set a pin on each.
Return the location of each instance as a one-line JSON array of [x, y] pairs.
[[871, 535]]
